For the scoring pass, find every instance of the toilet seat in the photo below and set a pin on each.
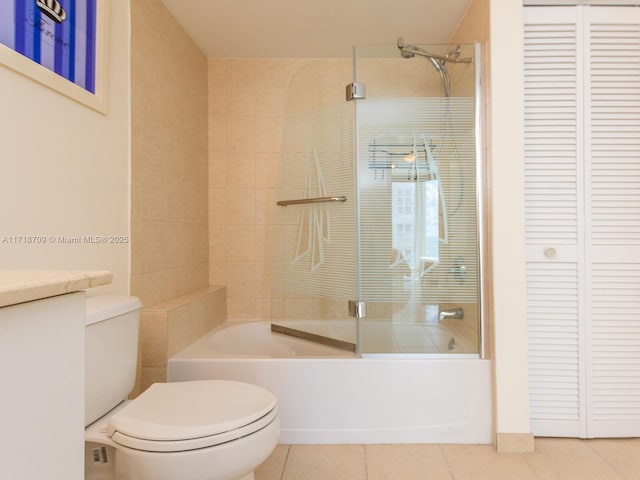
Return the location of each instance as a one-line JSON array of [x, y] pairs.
[[174, 417]]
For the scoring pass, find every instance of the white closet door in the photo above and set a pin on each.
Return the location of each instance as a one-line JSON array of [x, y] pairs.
[[612, 114], [582, 164], [554, 191]]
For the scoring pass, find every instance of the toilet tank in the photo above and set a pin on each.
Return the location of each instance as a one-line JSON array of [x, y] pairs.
[[111, 352]]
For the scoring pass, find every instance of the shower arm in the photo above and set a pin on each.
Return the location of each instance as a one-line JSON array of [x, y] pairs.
[[440, 58]]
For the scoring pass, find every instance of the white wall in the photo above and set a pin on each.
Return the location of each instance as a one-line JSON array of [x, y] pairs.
[[64, 169], [507, 207]]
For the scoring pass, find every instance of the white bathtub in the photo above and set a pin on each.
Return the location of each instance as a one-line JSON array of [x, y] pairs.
[[328, 395]]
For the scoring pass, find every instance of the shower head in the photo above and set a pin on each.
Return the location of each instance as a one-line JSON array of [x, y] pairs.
[[410, 51], [438, 61]]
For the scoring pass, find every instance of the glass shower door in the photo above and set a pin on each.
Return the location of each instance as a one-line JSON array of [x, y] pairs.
[[418, 200], [315, 253]]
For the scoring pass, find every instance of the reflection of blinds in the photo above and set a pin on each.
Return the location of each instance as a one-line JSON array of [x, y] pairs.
[[430, 143], [315, 244]]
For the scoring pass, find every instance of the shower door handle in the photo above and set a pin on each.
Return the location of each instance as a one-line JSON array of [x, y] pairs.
[[301, 201]]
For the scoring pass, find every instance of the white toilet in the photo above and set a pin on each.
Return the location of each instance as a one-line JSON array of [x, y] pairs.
[[201, 430]]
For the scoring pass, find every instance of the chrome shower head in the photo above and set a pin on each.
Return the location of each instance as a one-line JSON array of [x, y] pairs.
[[410, 51], [438, 61]]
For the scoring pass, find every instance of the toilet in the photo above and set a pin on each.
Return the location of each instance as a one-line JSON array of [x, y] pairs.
[[197, 430]]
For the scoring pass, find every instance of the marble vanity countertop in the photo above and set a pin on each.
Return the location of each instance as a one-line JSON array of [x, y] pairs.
[[18, 286]]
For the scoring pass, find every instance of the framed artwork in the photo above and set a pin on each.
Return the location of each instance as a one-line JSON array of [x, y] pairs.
[[58, 43]]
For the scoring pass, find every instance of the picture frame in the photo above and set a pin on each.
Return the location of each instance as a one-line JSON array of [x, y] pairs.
[[65, 51]]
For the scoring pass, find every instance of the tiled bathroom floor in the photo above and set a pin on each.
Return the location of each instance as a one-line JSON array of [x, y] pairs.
[[554, 459]]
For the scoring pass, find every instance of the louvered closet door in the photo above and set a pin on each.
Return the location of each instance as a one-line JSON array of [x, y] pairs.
[[612, 162], [582, 173], [553, 189]]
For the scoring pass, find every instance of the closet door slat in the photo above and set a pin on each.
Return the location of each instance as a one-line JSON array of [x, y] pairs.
[[582, 204], [612, 123], [552, 189]]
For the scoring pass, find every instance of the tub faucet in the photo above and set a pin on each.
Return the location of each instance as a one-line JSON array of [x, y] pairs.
[[456, 312]]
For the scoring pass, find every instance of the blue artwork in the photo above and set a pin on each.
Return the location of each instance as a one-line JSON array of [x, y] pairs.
[[58, 34]]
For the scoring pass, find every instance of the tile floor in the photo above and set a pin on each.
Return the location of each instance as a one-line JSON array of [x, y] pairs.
[[554, 459]]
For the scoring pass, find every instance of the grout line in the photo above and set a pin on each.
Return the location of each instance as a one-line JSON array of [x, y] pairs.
[[527, 459], [604, 459], [366, 463], [444, 457], [284, 465]]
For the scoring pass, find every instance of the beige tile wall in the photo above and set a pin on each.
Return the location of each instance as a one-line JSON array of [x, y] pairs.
[[246, 112], [169, 165], [168, 327], [247, 106], [169, 175]]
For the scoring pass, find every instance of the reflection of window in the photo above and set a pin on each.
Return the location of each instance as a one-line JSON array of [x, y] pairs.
[[432, 218], [415, 224]]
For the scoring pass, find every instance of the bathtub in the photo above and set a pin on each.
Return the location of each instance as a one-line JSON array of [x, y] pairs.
[[331, 396]]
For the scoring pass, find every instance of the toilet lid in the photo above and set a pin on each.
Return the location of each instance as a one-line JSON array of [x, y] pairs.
[[185, 415]]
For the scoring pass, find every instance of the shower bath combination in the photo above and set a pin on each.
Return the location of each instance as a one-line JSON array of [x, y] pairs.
[[438, 61], [404, 236], [393, 175]]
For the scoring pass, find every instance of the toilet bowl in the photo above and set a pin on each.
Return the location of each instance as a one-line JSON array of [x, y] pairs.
[[197, 430], [211, 429]]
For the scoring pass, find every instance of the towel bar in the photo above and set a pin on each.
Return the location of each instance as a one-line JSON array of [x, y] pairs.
[[300, 201]]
